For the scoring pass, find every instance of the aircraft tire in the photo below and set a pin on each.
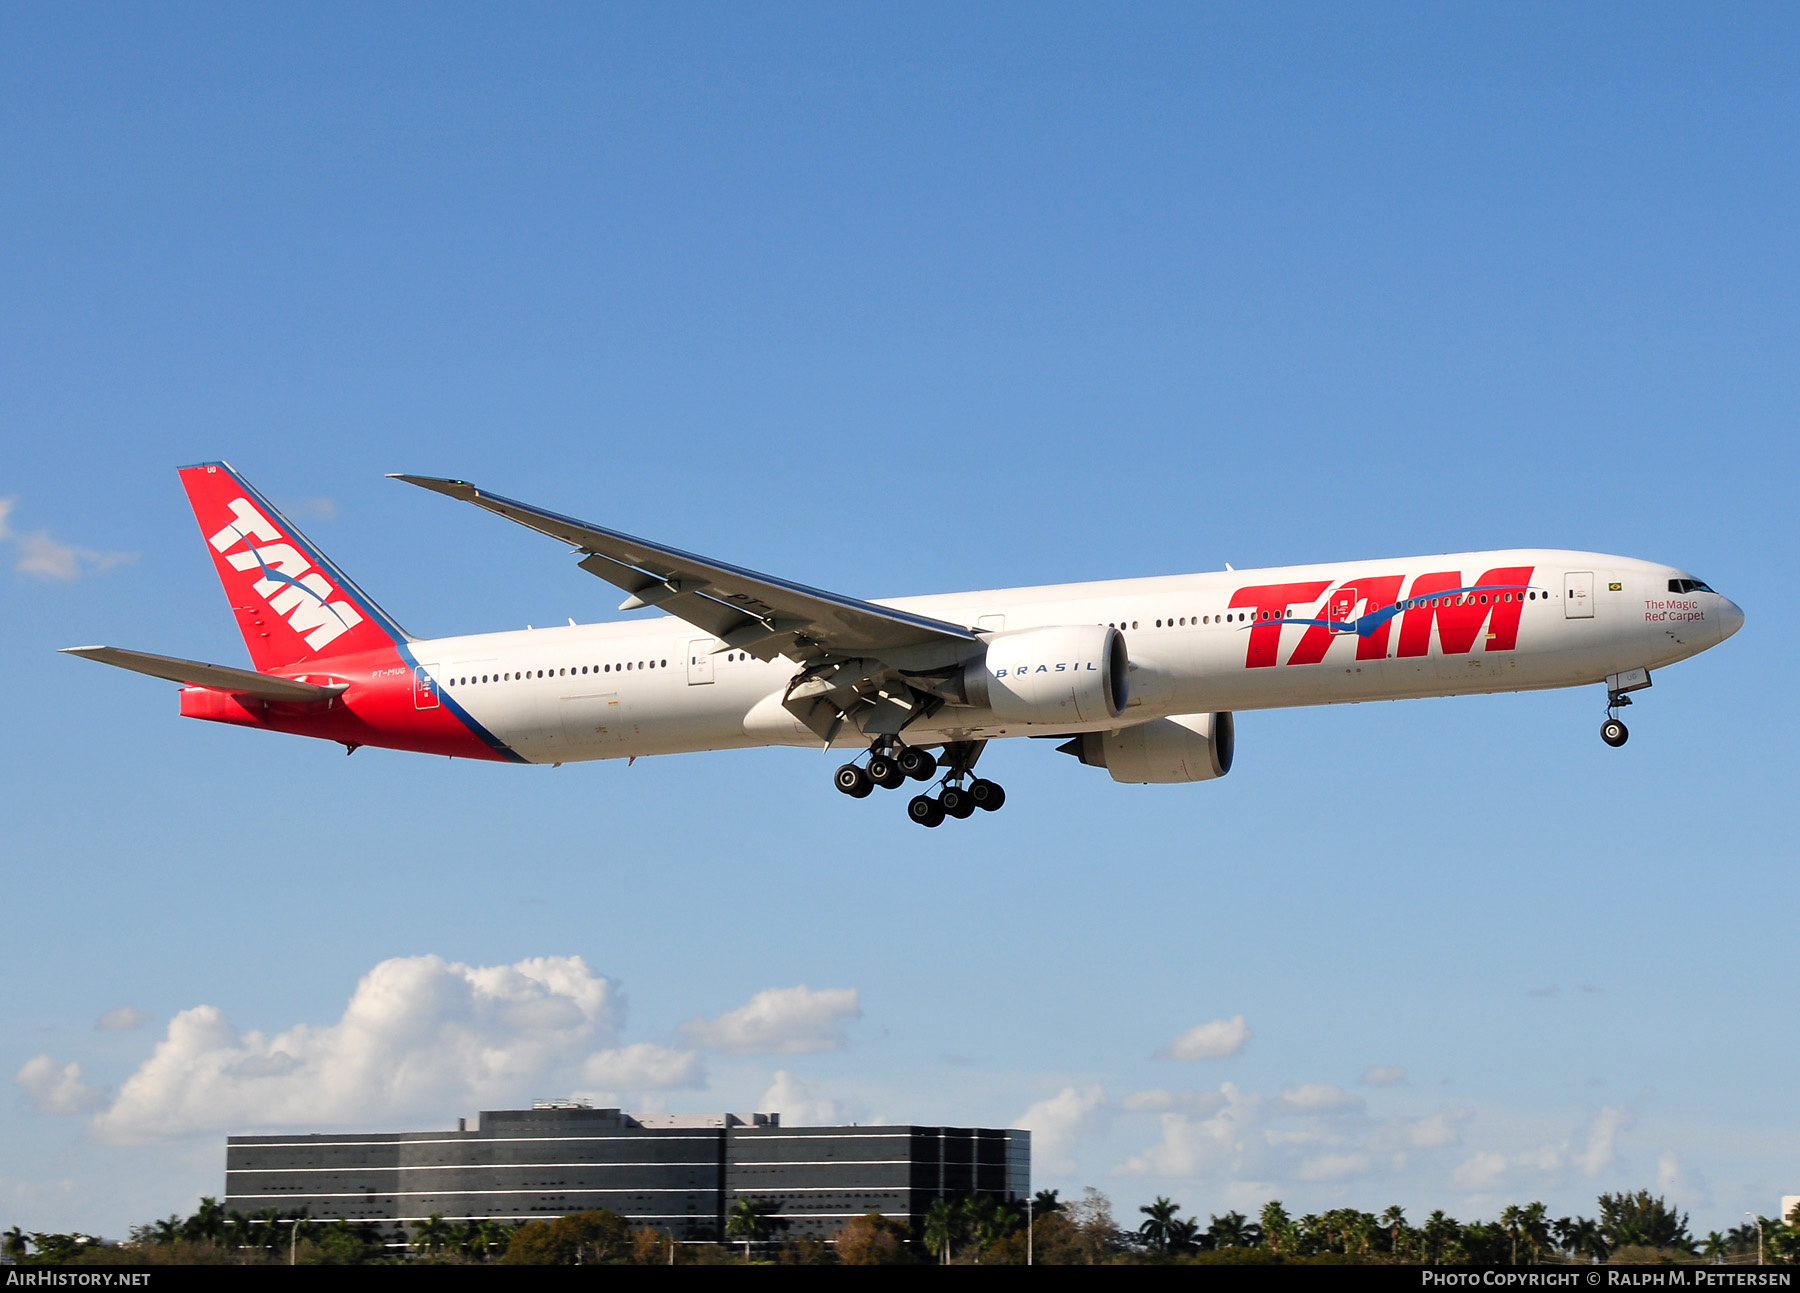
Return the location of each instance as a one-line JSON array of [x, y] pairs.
[[885, 772], [917, 764], [956, 802], [1614, 733], [987, 794], [853, 781], [925, 810]]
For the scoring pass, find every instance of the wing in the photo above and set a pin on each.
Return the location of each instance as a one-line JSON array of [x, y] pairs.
[[245, 682], [874, 661], [745, 610]]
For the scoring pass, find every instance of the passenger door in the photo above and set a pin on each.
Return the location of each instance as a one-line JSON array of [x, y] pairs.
[[700, 662], [1578, 595]]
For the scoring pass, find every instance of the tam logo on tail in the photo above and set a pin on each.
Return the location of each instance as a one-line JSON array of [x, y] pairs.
[[289, 584], [292, 604]]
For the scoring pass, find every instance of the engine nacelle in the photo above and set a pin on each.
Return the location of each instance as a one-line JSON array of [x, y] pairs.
[[1188, 747], [1066, 673]]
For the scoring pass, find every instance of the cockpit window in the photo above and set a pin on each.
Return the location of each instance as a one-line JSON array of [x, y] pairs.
[[1688, 586]]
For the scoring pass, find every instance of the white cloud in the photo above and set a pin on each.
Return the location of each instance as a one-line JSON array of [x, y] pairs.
[[1603, 1135], [643, 1066], [1398, 1135], [1228, 1143], [122, 1020], [800, 1103], [57, 1088], [1333, 1167], [1312, 1133], [1481, 1172], [1383, 1075], [1209, 1041], [1668, 1172], [1679, 1183], [1552, 1160], [420, 1035], [45, 557], [1158, 1101], [48, 558], [320, 507], [779, 1021], [1057, 1123], [1315, 1097]]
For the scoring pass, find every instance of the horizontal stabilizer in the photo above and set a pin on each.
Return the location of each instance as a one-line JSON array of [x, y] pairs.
[[245, 682]]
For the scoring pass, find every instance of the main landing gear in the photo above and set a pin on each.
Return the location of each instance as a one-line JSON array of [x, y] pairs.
[[891, 765]]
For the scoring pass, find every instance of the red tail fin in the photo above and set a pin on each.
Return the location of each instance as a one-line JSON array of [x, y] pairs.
[[292, 604]]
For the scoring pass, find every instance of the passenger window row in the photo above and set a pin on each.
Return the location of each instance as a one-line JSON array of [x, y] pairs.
[[524, 675]]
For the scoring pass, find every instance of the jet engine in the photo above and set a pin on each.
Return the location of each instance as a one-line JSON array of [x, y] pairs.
[[1187, 747], [1070, 673]]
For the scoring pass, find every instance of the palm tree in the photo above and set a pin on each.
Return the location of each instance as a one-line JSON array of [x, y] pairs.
[[997, 1220], [1587, 1240], [1156, 1231], [207, 1222], [1715, 1246], [430, 1235], [15, 1243], [493, 1235], [237, 1229], [1228, 1231], [1357, 1228], [1277, 1227], [752, 1220], [941, 1224], [1046, 1203], [1512, 1216], [1534, 1228], [1184, 1235], [1393, 1221], [1440, 1231]]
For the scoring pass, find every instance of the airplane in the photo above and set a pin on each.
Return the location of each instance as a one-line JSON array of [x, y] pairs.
[[1140, 677]]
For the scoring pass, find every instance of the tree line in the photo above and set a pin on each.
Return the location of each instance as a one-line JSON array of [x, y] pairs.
[[1628, 1228]]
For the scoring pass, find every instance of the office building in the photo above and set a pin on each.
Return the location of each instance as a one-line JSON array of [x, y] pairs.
[[678, 1173]]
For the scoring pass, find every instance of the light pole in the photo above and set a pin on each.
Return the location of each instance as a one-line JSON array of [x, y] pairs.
[[1030, 1218], [1759, 1246]]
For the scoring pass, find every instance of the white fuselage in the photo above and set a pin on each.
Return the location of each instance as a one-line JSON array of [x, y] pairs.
[[1198, 643]]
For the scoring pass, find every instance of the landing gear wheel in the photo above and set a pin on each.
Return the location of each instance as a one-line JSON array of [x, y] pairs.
[[1614, 733], [956, 802], [885, 772], [925, 810], [987, 794], [916, 763], [853, 781]]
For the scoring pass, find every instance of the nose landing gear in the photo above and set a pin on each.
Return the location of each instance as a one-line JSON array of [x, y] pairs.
[[1612, 731]]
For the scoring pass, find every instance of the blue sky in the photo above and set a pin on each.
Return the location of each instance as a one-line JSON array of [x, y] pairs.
[[896, 302]]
